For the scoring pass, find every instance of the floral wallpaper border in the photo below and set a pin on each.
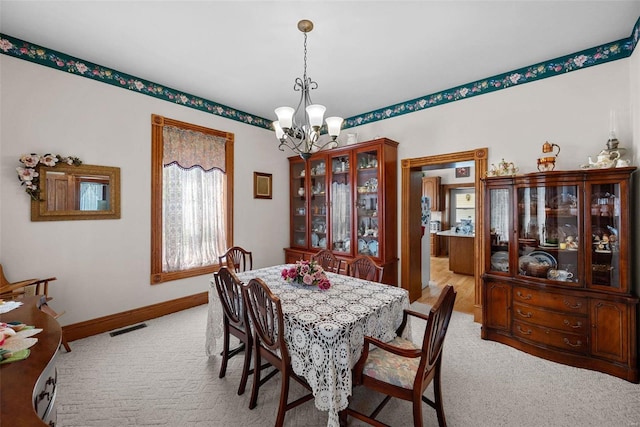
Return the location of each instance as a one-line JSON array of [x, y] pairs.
[[587, 58], [50, 58]]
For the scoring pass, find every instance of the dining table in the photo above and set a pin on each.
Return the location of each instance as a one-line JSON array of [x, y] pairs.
[[324, 329]]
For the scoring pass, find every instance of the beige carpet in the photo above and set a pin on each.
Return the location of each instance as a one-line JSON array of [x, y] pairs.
[[160, 376]]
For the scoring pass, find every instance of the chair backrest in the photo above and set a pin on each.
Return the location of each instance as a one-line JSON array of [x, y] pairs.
[[327, 260], [3, 280], [13, 289], [237, 258], [436, 330], [265, 311], [229, 289], [364, 267]]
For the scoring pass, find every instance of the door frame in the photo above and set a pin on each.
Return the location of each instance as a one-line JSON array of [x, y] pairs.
[[410, 245]]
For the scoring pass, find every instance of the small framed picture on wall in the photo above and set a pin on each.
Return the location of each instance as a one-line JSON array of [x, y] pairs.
[[463, 172], [262, 185]]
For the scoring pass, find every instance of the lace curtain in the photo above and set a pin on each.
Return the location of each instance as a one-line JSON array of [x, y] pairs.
[[90, 195], [194, 207], [500, 205]]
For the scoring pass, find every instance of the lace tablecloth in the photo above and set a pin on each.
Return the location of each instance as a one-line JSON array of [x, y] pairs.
[[325, 329]]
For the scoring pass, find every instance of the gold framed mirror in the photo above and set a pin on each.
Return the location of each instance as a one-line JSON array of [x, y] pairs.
[[70, 192]]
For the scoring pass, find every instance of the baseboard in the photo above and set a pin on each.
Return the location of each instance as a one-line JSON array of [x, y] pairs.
[[100, 325]]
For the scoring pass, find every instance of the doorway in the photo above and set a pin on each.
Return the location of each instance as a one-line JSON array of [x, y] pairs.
[[411, 250]]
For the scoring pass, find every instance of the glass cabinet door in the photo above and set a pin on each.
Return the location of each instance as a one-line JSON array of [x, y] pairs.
[[298, 204], [318, 203], [548, 228], [367, 176], [606, 225], [341, 200], [499, 226]]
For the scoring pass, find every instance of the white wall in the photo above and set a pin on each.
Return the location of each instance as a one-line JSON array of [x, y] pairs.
[[103, 266], [571, 110]]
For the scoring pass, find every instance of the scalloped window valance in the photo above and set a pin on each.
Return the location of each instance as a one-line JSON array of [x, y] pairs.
[[188, 149]]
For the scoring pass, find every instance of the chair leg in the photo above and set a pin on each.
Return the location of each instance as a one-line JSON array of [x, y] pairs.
[[65, 343], [417, 413], [284, 397], [343, 417], [437, 391], [225, 350], [246, 368], [256, 377]]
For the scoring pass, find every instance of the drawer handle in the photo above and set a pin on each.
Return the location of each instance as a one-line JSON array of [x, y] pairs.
[[525, 297], [575, 326], [572, 305], [43, 395], [51, 381], [567, 342], [527, 332], [527, 315]]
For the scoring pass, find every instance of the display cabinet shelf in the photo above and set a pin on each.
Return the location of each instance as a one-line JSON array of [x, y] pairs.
[[557, 278]]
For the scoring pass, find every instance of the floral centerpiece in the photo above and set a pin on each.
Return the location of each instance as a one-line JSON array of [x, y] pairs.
[[29, 175], [307, 273]]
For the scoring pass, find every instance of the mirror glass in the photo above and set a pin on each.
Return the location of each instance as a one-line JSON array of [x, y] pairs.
[[70, 192]]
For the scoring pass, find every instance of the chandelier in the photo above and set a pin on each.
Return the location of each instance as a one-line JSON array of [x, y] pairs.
[[300, 129]]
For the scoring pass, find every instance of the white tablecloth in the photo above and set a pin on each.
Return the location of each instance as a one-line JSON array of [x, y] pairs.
[[325, 329]]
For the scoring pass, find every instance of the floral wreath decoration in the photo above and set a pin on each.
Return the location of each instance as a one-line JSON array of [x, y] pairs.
[[29, 176], [307, 273]]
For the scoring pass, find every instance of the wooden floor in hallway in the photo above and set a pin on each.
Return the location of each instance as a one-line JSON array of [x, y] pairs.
[[441, 276]]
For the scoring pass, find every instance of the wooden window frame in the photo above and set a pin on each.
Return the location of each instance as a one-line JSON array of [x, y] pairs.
[[157, 151]]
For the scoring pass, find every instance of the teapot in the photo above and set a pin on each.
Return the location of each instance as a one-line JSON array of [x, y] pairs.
[[602, 161], [548, 163], [503, 168], [610, 157]]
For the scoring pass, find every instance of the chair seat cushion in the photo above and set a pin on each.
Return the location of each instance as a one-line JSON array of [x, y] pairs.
[[391, 368]]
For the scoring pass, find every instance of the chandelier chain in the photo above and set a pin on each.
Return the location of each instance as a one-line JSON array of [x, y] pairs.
[[305, 57]]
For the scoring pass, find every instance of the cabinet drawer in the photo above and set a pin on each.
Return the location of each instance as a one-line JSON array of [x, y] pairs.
[[565, 321], [576, 343], [553, 301]]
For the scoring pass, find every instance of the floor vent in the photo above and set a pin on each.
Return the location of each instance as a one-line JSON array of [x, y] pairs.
[[129, 329]]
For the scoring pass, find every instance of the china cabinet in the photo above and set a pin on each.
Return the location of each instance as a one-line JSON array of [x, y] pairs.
[[345, 200], [557, 280]]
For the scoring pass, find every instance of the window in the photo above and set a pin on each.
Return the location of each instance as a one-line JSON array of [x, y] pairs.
[[191, 198]]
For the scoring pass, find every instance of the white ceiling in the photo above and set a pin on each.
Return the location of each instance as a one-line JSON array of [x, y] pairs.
[[364, 55]]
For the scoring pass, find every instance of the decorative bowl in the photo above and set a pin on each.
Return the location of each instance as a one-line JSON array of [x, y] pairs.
[[538, 270]]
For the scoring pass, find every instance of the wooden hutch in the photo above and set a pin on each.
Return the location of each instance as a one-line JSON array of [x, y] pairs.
[[557, 280], [345, 200]]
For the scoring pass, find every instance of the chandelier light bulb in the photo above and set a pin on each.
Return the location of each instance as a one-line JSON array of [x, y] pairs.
[[285, 116], [278, 129], [333, 126], [316, 114]]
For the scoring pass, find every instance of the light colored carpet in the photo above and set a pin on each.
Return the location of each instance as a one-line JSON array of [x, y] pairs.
[[160, 376]]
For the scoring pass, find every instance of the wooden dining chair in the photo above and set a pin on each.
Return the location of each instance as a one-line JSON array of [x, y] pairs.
[[235, 322], [237, 258], [16, 290], [402, 370], [269, 343], [328, 261], [364, 267]]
